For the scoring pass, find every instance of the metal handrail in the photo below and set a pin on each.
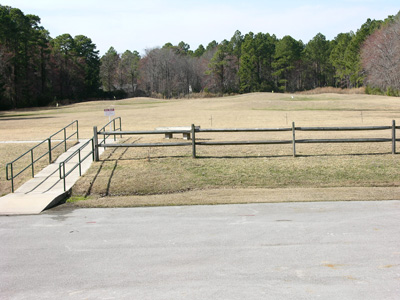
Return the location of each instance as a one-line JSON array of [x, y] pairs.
[[61, 166], [103, 129], [10, 167]]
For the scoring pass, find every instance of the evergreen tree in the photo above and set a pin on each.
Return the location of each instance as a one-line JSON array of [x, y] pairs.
[[199, 51], [235, 45], [18, 44], [223, 69], [316, 56], [217, 66], [90, 63], [212, 45], [255, 71], [337, 59], [287, 56], [248, 65], [67, 69]]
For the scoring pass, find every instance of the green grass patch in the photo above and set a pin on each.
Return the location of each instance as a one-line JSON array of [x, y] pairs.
[[75, 199], [133, 103]]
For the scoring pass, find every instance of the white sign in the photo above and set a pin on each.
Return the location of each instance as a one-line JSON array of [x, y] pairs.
[[108, 112]]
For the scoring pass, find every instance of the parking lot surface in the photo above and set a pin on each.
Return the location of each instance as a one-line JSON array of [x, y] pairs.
[[329, 250]]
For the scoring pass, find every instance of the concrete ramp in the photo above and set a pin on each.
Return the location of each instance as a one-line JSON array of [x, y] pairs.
[[29, 204], [46, 189]]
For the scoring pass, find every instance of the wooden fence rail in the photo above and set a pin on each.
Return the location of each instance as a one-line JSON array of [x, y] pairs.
[[194, 130]]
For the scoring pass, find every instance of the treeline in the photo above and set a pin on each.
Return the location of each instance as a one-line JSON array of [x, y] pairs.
[[259, 63], [37, 70]]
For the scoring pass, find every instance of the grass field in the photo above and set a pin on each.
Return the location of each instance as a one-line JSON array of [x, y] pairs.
[[142, 176]]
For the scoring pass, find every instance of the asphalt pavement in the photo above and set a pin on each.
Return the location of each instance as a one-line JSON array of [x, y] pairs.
[[330, 250]]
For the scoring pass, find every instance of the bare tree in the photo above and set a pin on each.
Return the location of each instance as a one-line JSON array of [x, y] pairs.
[[169, 72], [381, 57]]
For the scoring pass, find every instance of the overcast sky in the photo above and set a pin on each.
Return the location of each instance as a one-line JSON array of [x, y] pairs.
[[137, 25]]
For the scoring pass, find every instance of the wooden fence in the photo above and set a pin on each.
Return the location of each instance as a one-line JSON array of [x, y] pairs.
[[195, 129]]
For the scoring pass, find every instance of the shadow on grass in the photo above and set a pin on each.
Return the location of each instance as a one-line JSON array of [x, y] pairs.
[[147, 158], [242, 156], [343, 154], [239, 156], [108, 159], [12, 118], [89, 190], [297, 155]]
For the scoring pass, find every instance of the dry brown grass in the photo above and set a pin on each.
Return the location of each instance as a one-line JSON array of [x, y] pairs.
[[253, 110], [170, 170], [330, 90], [11, 151]]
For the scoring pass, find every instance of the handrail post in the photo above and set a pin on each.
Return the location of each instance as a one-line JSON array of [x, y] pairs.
[[12, 176], [96, 144], [77, 131], [50, 158], [393, 137], [79, 159], [193, 132], [65, 139], [33, 169], [294, 139], [120, 126], [115, 137], [65, 184]]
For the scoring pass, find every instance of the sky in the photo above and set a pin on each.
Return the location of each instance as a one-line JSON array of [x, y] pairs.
[[139, 25]]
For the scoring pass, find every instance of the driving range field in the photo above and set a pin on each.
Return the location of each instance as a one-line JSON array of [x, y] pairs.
[[223, 174]]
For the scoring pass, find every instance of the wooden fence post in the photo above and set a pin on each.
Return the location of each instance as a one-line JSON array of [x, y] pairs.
[[193, 132], [96, 144], [294, 139], [393, 137]]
